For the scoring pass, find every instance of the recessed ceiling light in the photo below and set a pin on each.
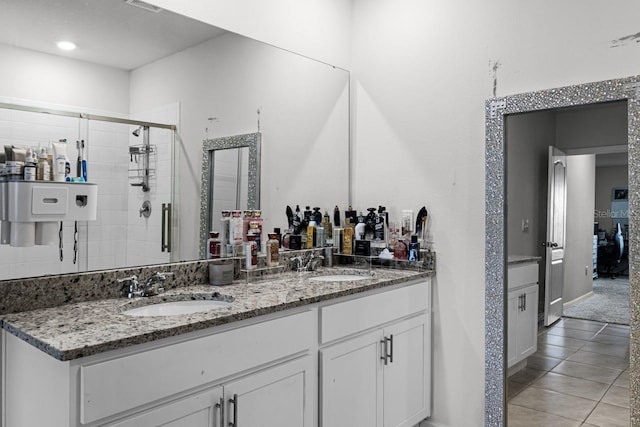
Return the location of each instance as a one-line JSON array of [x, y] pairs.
[[64, 45]]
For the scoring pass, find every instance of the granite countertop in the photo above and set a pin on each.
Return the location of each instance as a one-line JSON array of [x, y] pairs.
[[82, 329], [518, 259]]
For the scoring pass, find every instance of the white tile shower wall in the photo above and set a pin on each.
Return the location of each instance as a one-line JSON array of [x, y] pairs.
[[107, 159], [33, 129]]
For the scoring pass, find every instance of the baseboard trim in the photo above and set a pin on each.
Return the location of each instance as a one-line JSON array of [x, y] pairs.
[[577, 300]]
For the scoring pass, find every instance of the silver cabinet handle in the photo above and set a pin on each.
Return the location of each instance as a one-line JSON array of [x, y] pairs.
[[220, 407], [524, 303], [166, 227], [234, 402], [384, 350], [387, 349]]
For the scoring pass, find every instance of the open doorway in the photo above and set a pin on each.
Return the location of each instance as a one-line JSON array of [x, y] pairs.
[[496, 220], [576, 369]]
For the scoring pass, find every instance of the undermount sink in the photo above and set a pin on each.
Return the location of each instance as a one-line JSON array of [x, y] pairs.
[[176, 308], [339, 278]]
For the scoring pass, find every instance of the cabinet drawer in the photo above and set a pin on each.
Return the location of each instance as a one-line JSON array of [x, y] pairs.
[[522, 274], [349, 317], [117, 385]]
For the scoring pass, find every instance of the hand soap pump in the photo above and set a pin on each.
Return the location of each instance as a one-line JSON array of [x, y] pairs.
[[360, 228]]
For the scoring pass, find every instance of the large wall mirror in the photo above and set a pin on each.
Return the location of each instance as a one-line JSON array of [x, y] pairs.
[[161, 67]]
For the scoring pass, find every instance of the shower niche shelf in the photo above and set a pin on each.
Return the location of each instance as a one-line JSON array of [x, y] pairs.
[[142, 166]]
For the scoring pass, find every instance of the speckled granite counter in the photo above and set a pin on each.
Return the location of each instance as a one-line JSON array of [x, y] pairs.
[[517, 259], [81, 329]]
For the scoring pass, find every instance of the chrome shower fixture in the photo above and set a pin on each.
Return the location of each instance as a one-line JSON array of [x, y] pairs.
[[136, 132]]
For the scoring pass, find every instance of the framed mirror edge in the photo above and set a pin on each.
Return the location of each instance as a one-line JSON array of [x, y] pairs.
[[250, 140], [495, 224]]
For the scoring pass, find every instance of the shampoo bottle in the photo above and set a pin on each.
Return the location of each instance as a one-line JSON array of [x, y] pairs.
[[414, 249], [311, 234], [273, 251], [360, 228]]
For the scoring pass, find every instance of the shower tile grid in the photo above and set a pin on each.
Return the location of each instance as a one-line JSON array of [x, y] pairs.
[[578, 377]]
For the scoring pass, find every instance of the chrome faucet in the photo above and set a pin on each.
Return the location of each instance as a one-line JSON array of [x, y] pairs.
[[130, 287], [313, 262], [154, 285]]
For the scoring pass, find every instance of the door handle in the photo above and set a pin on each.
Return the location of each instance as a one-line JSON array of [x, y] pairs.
[[166, 227], [550, 244], [524, 302], [234, 402]]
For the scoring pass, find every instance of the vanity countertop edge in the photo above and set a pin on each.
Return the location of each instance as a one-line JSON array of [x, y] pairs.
[[73, 331]]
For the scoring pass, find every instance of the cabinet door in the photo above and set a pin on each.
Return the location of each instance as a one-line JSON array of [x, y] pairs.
[[406, 376], [351, 384], [527, 324], [513, 300], [282, 396], [200, 410]]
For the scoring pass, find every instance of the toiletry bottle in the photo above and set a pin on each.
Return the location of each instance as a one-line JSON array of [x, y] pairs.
[[351, 215], [251, 253], [306, 219], [257, 217], [328, 229], [317, 215], [370, 224], [213, 245], [338, 239], [336, 216], [347, 245], [414, 249], [381, 226], [276, 231], [254, 229], [360, 228], [245, 224], [30, 165], [400, 250], [311, 234], [273, 251], [235, 227], [50, 160], [407, 223], [297, 220], [42, 171], [224, 232], [320, 237]]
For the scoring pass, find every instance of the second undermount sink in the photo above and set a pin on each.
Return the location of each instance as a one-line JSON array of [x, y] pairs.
[[339, 278], [176, 308]]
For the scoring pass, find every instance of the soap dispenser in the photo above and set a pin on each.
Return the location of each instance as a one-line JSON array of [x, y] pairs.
[[360, 228]]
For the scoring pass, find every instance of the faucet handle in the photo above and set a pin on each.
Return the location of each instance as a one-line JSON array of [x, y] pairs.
[[162, 275], [132, 278]]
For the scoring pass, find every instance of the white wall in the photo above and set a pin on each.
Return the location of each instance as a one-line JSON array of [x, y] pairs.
[[581, 181], [528, 137], [44, 78], [423, 71], [315, 28]]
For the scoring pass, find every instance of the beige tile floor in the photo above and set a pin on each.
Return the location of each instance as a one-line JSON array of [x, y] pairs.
[[578, 377]]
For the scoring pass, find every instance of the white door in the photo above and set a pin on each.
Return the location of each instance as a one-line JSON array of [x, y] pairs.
[[555, 243], [406, 374], [200, 410], [281, 396], [352, 382]]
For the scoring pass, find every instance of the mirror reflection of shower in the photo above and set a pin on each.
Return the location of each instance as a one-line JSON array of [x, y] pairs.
[[142, 159]]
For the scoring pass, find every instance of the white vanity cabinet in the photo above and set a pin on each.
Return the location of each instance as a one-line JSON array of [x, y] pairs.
[[277, 396], [378, 371], [358, 360], [522, 312], [269, 365]]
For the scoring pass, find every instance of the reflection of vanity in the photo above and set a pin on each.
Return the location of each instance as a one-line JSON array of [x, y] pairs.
[[522, 310]]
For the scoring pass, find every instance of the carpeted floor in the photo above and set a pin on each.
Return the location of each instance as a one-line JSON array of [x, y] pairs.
[[609, 302]]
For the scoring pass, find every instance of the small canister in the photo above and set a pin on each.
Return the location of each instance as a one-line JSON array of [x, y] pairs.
[[221, 273]]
